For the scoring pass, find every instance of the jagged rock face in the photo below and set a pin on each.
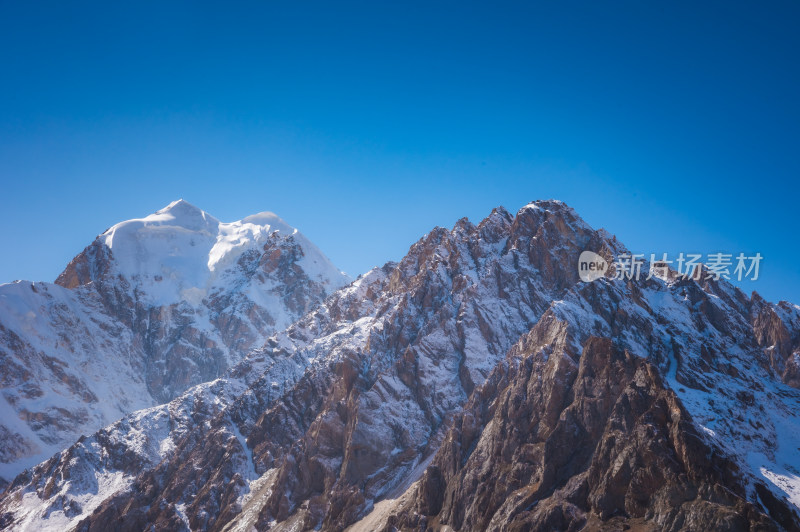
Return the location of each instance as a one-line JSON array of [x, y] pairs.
[[601, 442], [149, 309], [650, 404], [463, 297], [554, 441], [777, 329]]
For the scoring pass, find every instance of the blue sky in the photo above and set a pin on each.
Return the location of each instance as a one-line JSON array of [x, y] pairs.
[[674, 125]]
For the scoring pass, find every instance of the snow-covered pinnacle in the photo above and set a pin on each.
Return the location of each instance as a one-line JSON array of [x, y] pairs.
[[269, 218], [186, 215], [547, 204], [555, 208], [180, 252]]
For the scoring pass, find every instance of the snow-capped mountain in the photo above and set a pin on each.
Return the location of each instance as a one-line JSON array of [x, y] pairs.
[[476, 384], [150, 308]]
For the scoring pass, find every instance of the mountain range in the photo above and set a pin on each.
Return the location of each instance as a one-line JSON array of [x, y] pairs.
[[186, 374]]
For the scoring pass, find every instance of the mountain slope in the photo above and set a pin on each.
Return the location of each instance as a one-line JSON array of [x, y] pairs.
[[693, 433], [602, 444], [150, 308], [67, 367]]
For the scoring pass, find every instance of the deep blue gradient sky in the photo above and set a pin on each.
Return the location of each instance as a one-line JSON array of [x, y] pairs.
[[674, 125]]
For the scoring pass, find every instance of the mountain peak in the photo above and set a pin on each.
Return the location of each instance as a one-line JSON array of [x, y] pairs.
[[178, 205], [557, 213], [552, 205], [183, 214], [271, 219], [181, 252]]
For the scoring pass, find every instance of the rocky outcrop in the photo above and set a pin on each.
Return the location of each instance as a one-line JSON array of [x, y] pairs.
[[777, 329], [600, 443]]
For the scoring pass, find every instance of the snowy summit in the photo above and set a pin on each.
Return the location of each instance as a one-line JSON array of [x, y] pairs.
[[181, 252]]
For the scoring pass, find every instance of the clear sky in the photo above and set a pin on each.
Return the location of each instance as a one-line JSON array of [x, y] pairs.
[[675, 125]]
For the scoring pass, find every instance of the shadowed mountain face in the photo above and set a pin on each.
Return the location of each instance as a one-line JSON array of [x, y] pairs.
[[603, 444], [477, 384], [152, 307]]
